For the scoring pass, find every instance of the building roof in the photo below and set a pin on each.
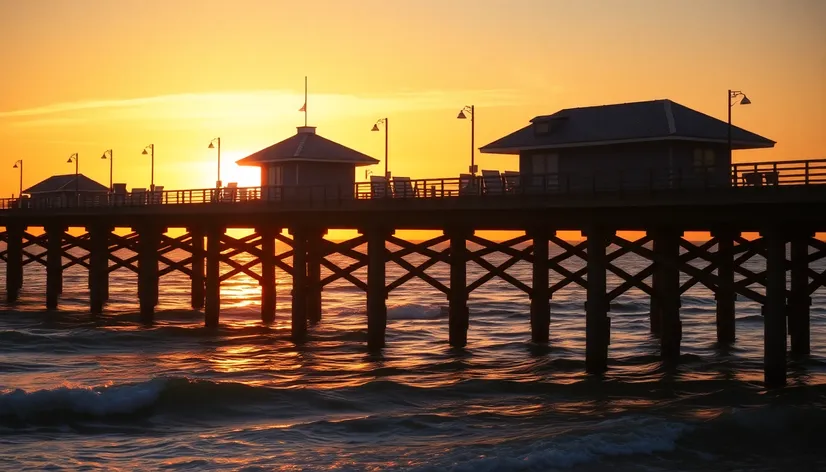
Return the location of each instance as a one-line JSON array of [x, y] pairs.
[[655, 120], [307, 146], [66, 183]]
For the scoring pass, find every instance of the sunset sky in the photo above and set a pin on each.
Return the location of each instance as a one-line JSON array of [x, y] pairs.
[[89, 75]]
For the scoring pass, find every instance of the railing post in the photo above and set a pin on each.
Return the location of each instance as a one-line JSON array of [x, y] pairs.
[[806, 174]]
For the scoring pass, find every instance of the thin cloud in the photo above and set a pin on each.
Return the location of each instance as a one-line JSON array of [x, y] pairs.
[[248, 105]]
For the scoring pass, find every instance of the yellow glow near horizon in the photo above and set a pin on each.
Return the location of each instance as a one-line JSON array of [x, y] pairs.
[[86, 77]]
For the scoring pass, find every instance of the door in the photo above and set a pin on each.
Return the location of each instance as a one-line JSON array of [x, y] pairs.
[[545, 171]]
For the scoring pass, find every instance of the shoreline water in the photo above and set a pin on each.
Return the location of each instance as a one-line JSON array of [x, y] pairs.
[[107, 392]]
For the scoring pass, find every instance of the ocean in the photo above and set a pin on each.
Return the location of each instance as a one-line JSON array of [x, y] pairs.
[[107, 393]]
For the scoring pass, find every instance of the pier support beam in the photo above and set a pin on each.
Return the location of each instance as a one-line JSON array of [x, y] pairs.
[[314, 255], [458, 313], [774, 311], [148, 243], [14, 262], [267, 273], [540, 291], [655, 308], [299, 308], [597, 322], [197, 278], [799, 299], [212, 309], [667, 253], [376, 288], [725, 294], [54, 265], [98, 267]]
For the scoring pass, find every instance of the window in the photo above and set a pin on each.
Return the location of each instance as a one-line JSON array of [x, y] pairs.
[[544, 168], [542, 127], [275, 178], [704, 160]]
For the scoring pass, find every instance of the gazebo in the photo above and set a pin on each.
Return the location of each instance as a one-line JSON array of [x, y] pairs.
[[307, 165]]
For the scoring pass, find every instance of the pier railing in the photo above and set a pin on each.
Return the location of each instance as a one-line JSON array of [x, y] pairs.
[[487, 185]]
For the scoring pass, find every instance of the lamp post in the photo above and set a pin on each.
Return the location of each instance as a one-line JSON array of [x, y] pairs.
[[386, 124], [470, 109], [732, 100], [212, 146], [111, 164], [151, 151], [20, 193], [76, 159]]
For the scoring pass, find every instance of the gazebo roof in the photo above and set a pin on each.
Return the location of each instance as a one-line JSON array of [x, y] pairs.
[[654, 120], [307, 146], [66, 183]]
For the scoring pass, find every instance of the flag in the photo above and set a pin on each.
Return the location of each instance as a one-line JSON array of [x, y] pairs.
[[303, 107]]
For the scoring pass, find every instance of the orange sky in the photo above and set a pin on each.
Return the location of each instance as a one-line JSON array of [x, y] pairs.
[[85, 76]]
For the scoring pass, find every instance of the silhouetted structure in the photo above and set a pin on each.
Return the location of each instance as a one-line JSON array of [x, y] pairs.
[[308, 164], [59, 190], [659, 140]]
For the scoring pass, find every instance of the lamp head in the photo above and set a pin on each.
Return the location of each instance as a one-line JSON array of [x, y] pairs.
[[15, 166], [144, 152], [211, 146], [69, 161], [461, 115], [745, 101], [375, 127]]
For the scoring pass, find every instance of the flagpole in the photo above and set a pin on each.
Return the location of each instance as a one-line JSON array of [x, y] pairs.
[[305, 100]]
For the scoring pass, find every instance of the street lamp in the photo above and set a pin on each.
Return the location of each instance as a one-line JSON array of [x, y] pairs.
[[76, 159], [151, 151], [732, 100], [212, 146], [20, 161], [111, 163], [386, 124], [470, 109]]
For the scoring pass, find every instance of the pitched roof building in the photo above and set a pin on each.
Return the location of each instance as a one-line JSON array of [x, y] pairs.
[[657, 141], [650, 121], [58, 184]]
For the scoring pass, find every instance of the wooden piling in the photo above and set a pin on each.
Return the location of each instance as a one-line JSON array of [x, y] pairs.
[[799, 299], [724, 294], [458, 313], [299, 298], [54, 265], [14, 262], [98, 266], [667, 253], [314, 255], [267, 273], [540, 291], [774, 311], [597, 323], [376, 291], [197, 294], [212, 308], [148, 243]]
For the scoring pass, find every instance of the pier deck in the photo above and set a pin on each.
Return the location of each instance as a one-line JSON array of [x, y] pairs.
[[783, 202]]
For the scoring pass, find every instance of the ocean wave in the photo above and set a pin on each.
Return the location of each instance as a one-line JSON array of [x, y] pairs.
[[55, 405], [625, 436]]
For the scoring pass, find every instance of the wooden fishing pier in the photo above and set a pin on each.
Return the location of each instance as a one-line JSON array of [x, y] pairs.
[[786, 211]]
